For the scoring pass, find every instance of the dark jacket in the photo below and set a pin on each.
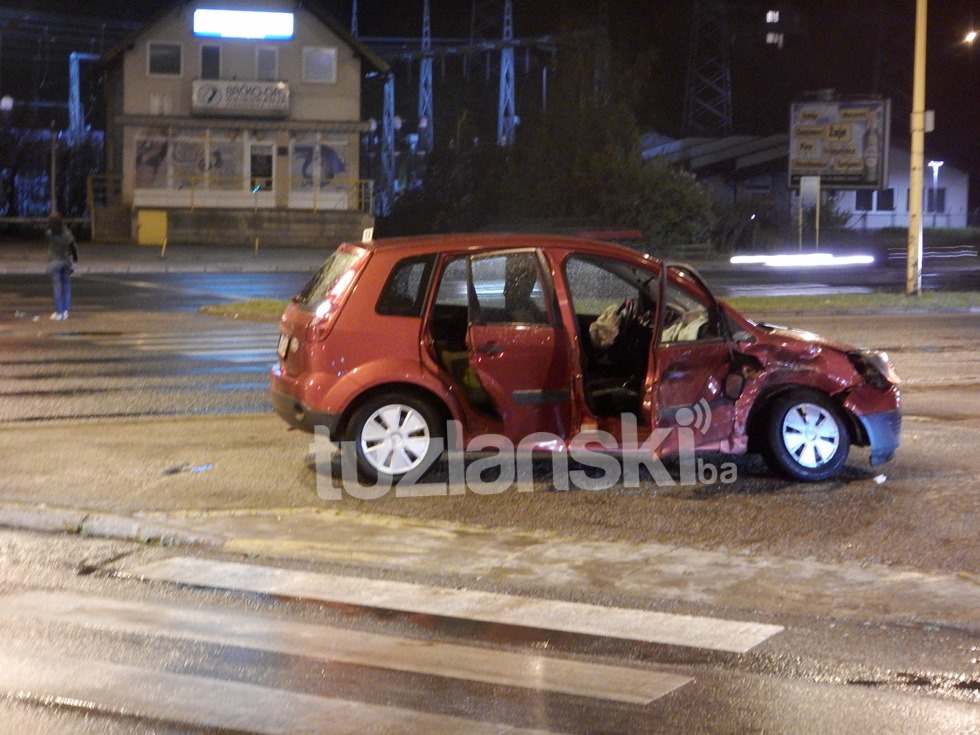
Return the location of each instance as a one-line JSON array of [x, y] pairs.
[[62, 249]]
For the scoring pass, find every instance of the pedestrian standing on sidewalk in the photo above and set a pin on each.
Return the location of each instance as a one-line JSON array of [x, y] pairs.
[[62, 256]]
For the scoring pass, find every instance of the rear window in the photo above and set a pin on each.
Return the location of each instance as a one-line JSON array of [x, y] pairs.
[[329, 275], [404, 293]]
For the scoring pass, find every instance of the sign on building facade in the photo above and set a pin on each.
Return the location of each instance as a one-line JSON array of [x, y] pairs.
[[230, 97]]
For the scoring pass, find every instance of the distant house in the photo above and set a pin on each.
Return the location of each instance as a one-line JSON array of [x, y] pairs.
[[738, 168], [239, 123]]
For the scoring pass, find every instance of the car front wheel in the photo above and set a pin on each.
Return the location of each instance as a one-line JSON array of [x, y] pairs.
[[395, 434], [805, 436]]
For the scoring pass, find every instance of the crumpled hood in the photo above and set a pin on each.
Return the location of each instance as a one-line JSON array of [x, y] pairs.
[[788, 334]]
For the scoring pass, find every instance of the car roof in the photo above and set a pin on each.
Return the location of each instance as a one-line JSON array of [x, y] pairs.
[[478, 242]]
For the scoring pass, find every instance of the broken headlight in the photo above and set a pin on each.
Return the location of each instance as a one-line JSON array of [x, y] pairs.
[[875, 367]]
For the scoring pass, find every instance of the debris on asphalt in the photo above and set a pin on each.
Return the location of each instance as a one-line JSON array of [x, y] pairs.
[[185, 467]]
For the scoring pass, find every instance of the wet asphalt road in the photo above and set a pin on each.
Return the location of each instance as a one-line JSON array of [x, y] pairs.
[[135, 348], [130, 654]]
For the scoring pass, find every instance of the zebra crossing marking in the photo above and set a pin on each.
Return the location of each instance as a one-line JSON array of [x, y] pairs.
[[256, 344], [201, 702], [330, 643], [570, 617]]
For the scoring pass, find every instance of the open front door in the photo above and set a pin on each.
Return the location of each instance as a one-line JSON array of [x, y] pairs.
[[691, 361], [517, 347]]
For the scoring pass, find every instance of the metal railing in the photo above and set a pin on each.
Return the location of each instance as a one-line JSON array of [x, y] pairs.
[[210, 191]]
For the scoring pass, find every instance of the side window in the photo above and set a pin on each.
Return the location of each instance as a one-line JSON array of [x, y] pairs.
[[612, 303], [320, 65], [508, 290], [594, 288], [210, 62], [164, 59], [687, 317], [404, 292], [452, 287], [266, 63]]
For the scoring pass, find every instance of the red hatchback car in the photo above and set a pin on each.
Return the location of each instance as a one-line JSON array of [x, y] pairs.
[[544, 339]]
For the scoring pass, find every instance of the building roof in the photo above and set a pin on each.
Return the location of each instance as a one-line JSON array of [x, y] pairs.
[[738, 151]]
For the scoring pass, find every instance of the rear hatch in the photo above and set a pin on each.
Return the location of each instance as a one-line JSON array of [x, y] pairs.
[[313, 311]]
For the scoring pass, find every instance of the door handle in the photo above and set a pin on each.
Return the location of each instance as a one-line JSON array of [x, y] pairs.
[[490, 348]]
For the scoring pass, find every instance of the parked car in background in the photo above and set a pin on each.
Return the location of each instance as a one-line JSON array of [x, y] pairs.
[[545, 339]]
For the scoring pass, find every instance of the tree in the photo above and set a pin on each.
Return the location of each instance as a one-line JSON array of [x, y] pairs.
[[582, 157], [455, 194]]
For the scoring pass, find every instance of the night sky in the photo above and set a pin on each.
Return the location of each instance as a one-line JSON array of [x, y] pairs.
[[856, 48]]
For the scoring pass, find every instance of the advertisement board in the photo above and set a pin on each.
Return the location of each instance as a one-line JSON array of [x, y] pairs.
[[844, 143]]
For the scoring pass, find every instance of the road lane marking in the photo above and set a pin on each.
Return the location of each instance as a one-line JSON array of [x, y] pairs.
[[248, 345], [571, 617], [200, 702], [329, 643]]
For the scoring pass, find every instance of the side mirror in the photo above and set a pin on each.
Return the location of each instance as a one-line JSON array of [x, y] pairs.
[[734, 383]]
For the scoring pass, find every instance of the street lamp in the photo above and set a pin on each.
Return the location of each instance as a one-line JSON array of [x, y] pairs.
[[935, 166], [970, 37]]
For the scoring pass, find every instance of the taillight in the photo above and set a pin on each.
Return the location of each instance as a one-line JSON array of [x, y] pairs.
[[327, 310]]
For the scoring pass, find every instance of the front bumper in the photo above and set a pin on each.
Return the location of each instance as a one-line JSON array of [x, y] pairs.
[[884, 434]]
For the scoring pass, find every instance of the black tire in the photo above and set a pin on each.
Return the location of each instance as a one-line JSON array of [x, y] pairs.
[[805, 436], [394, 434]]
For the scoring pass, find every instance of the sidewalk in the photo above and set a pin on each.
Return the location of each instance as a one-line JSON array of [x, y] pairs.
[[30, 257]]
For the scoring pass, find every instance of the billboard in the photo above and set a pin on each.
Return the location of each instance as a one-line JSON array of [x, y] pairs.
[[844, 143]]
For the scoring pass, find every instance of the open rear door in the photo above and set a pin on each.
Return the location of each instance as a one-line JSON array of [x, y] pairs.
[[517, 347]]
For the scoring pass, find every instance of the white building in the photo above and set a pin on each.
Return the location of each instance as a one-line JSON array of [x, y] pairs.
[[224, 125], [944, 204], [738, 168]]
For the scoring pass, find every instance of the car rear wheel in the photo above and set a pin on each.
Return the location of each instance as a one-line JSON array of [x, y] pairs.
[[805, 436], [395, 434]]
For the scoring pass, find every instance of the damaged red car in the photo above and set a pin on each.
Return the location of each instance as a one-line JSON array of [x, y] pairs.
[[548, 339]]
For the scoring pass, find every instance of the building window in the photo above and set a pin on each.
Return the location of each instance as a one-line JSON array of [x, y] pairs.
[[210, 62], [772, 16], [936, 200], [862, 200], [261, 167], [266, 64], [886, 200], [164, 59], [320, 65]]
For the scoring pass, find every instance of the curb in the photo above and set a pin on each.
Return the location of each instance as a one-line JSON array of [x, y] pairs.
[[163, 268], [47, 519]]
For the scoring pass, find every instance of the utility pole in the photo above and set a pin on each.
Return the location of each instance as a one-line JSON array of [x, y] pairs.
[[506, 111], [386, 189], [708, 90], [426, 127], [913, 271], [54, 169]]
